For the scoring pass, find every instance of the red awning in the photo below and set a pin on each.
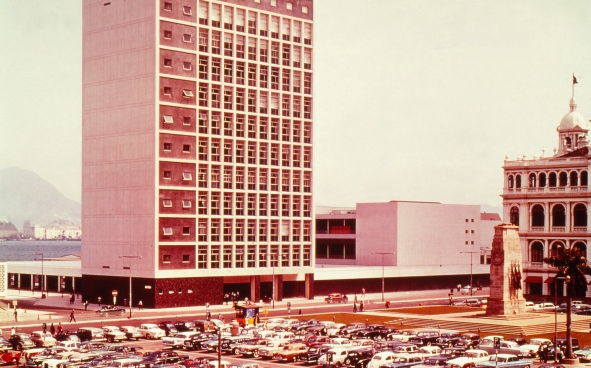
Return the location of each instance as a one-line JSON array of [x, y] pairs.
[[534, 279], [549, 280]]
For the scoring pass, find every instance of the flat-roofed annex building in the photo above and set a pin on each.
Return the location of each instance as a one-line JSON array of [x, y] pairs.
[[197, 149], [422, 245], [548, 199]]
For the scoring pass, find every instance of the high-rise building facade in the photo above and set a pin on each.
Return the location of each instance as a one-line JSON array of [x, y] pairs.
[[197, 150], [548, 198]]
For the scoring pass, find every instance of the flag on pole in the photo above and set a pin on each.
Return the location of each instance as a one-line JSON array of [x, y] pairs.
[[575, 79]]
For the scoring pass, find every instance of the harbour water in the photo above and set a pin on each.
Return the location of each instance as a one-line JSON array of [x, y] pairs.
[[26, 250]]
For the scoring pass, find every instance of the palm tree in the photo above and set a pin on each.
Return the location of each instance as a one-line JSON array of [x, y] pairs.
[[572, 265]]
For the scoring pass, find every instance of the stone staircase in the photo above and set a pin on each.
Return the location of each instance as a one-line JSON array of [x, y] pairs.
[[491, 325]]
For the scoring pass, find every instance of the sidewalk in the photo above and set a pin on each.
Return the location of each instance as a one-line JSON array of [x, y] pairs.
[[33, 310]]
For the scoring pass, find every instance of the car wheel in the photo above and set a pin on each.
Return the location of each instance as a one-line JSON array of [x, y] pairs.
[[148, 336], [234, 351], [110, 339], [348, 361], [19, 347], [255, 354]]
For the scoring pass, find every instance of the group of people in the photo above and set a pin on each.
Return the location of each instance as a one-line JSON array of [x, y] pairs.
[[360, 303], [53, 329], [545, 354], [231, 297]]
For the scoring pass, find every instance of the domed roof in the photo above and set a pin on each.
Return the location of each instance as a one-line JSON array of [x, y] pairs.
[[573, 119]]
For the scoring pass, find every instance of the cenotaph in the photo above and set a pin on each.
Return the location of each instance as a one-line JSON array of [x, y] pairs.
[[506, 295]]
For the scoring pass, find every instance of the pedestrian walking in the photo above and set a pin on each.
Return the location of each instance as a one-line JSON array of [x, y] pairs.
[[99, 300], [52, 329], [140, 305], [355, 300], [363, 293], [15, 315], [355, 307], [44, 329], [72, 318], [86, 305], [361, 306], [59, 327]]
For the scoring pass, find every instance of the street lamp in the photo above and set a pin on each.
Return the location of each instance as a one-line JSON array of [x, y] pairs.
[[382, 254], [42, 273], [130, 292], [471, 290], [273, 260], [567, 279]]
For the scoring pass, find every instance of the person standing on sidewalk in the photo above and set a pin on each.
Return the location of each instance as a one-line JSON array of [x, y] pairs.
[[15, 315], [52, 329], [72, 318], [140, 305], [363, 293]]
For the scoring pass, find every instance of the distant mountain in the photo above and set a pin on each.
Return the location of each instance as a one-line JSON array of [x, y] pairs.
[[24, 195]]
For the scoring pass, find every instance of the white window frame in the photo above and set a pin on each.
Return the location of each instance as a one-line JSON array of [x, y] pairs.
[[168, 119], [187, 37], [185, 63], [187, 176], [187, 10], [187, 203], [167, 231], [167, 203], [187, 93]]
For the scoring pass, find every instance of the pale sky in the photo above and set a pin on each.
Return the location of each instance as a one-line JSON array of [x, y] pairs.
[[413, 100]]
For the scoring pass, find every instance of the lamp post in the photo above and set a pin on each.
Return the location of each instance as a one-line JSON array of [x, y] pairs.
[[42, 273], [273, 260], [566, 278], [130, 292], [382, 254], [470, 252]]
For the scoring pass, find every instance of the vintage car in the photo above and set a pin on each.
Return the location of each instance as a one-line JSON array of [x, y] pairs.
[[21, 341], [110, 310], [506, 360], [9, 357], [272, 347], [113, 333], [43, 339], [151, 331], [291, 352], [131, 332], [178, 340], [336, 298]]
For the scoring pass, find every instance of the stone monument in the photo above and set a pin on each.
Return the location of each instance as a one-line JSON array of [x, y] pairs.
[[506, 295]]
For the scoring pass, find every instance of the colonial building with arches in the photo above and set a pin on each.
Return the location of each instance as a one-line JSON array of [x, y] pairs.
[[548, 198]]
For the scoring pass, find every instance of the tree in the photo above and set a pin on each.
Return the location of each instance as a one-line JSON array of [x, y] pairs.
[[572, 265]]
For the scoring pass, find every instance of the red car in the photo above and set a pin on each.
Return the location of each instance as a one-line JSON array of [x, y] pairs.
[[10, 357]]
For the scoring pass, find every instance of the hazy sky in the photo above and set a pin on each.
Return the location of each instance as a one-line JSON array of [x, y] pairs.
[[414, 100]]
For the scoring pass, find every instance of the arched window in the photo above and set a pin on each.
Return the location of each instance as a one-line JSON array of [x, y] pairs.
[[557, 249], [514, 216], [580, 249], [567, 142], [563, 179], [518, 181], [542, 180], [558, 216], [574, 179], [510, 183], [580, 215], [532, 180], [552, 179], [537, 252], [537, 216], [584, 178]]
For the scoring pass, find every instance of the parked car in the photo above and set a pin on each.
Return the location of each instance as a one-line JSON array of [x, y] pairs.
[[168, 327], [471, 356], [21, 341], [506, 360], [251, 347], [530, 349], [90, 333], [178, 340], [424, 337], [43, 339], [272, 347], [544, 307], [184, 326], [448, 339], [313, 353], [504, 347], [110, 310], [335, 356], [468, 340], [151, 331], [131, 332], [336, 298], [290, 352], [113, 333], [357, 354]]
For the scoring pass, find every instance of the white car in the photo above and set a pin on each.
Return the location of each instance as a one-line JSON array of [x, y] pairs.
[[466, 290], [544, 307], [178, 340], [271, 323], [471, 356], [44, 339], [114, 333], [530, 349], [379, 359], [151, 331], [131, 332]]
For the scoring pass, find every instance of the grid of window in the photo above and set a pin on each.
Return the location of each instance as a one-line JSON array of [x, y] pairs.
[[254, 145]]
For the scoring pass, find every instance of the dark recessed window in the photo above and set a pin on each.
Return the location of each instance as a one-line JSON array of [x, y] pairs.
[[167, 146], [167, 6], [186, 230], [168, 62], [167, 91], [168, 34], [186, 258], [186, 148], [167, 175], [166, 258], [186, 120]]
